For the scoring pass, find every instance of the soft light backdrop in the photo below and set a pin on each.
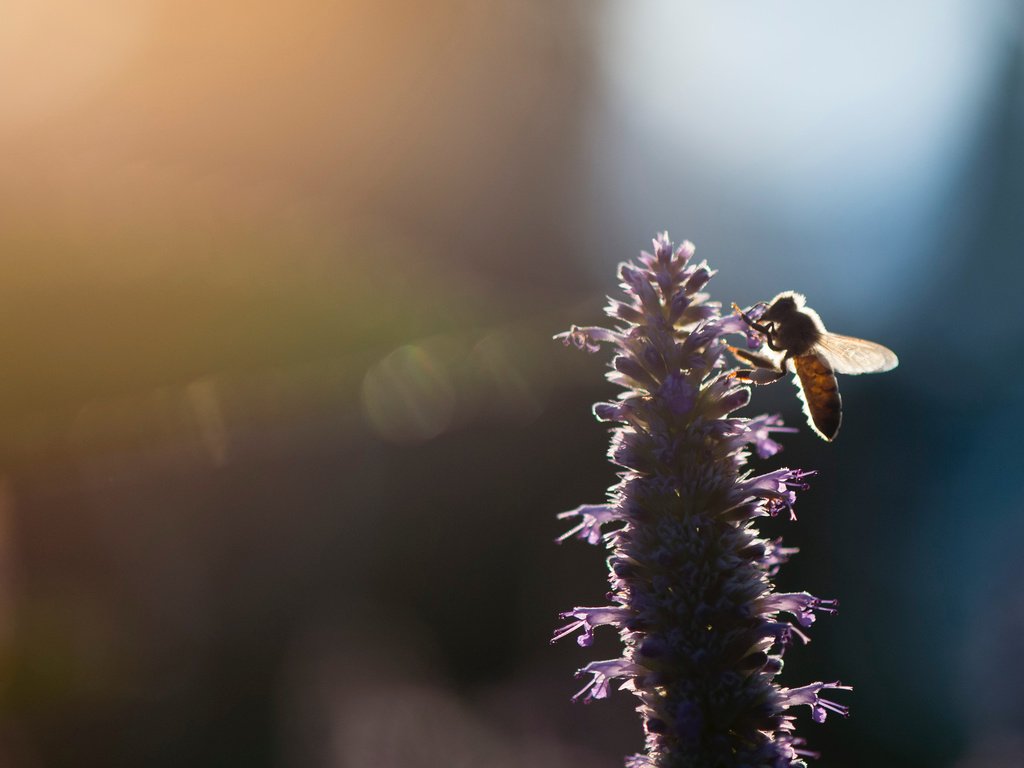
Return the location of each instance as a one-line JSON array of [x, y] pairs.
[[284, 432]]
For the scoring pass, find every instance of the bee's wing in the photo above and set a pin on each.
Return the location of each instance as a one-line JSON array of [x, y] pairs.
[[850, 355]]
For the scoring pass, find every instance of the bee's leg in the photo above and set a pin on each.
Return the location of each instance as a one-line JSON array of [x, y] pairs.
[[758, 361], [766, 370], [756, 376], [765, 328], [769, 339]]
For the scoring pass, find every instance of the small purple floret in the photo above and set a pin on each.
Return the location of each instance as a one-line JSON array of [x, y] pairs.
[[809, 695], [800, 605], [587, 619], [678, 393], [759, 429], [592, 517], [604, 673]]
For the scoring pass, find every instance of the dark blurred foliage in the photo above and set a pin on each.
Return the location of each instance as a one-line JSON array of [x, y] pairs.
[[285, 432]]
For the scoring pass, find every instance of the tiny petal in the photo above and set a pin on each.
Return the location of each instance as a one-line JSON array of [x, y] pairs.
[[758, 431], [775, 555], [685, 251], [801, 605], [641, 286], [663, 247], [696, 313], [699, 278], [587, 338], [679, 304], [732, 324], [776, 489], [810, 695], [733, 400], [604, 673], [735, 323], [588, 619], [630, 367], [755, 312], [623, 311], [678, 393], [592, 517]]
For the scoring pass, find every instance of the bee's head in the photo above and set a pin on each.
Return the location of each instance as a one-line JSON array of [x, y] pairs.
[[784, 306]]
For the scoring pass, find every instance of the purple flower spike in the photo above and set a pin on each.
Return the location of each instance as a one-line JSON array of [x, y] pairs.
[[692, 599]]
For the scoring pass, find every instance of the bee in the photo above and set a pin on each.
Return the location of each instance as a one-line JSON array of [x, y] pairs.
[[815, 355]]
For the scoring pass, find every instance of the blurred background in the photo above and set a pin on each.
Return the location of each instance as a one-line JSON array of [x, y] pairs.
[[284, 432]]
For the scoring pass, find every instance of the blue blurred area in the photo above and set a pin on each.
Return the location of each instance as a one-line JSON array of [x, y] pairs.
[[820, 147]]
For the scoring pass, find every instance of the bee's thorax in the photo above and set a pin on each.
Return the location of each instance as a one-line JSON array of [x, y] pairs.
[[797, 329]]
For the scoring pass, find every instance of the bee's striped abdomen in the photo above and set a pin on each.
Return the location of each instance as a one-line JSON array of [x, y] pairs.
[[820, 393]]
